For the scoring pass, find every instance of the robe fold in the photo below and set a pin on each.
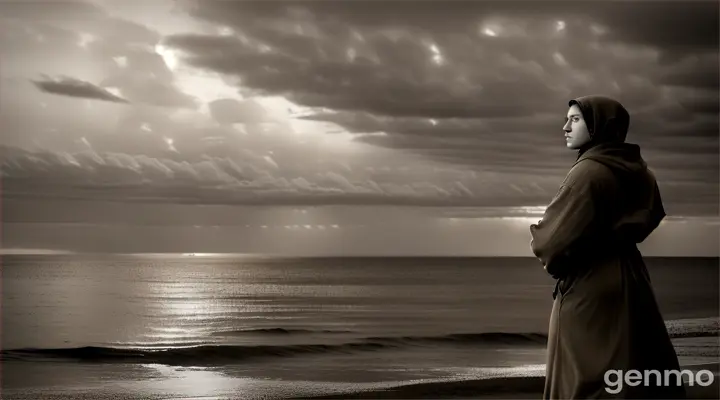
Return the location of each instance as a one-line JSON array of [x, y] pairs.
[[605, 316]]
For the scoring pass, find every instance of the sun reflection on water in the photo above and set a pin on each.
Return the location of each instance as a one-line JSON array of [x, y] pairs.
[[193, 381]]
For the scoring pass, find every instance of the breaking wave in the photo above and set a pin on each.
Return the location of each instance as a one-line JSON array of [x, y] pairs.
[[208, 354]]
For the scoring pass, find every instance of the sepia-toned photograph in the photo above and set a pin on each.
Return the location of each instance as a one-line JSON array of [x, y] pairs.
[[359, 199]]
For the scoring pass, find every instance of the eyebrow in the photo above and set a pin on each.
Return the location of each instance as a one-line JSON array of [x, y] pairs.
[[572, 115]]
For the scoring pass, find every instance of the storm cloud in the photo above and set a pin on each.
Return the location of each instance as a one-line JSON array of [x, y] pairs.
[[479, 83], [455, 105]]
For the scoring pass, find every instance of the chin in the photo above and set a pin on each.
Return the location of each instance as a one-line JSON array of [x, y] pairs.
[[571, 146]]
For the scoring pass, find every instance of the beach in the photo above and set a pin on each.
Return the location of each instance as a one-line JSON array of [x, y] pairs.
[[231, 327]]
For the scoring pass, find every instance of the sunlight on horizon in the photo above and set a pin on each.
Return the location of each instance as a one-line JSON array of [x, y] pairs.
[[201, 254]]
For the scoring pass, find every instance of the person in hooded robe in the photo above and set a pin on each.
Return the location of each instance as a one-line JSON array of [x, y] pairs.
[[605, 318]]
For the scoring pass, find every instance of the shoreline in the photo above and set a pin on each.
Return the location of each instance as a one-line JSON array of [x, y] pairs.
[[696, 341]]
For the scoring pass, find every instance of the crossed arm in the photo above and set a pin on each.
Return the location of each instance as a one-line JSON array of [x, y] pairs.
[[571, 216]]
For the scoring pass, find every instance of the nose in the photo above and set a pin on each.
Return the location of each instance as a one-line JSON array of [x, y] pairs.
[[566, 127]]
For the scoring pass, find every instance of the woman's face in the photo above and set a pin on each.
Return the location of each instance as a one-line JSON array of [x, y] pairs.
[[576, 132]]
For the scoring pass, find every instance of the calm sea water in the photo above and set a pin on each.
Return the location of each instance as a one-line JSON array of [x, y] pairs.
[[145, 324]]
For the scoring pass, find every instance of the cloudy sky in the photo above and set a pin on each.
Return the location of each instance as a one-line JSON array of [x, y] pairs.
[[339, 127]]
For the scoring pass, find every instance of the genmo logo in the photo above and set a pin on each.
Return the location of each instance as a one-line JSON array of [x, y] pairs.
[[615, 379]]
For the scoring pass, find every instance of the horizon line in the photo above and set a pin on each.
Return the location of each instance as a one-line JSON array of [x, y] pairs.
[[56, 252]]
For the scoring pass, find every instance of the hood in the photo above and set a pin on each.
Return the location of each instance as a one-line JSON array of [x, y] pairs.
[[641, 205], [606, 119], [608, 123]]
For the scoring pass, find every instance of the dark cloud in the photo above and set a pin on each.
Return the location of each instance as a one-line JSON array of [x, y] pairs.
[[655, 23], [708, 104], [67, 86], [437, 63], [651, 23], [401, 83], [696, 72]]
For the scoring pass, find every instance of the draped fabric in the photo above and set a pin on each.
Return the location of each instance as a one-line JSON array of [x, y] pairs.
[[605, 316]]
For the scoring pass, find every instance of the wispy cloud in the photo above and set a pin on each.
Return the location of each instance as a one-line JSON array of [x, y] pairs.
[[73, 87], [252, 179]]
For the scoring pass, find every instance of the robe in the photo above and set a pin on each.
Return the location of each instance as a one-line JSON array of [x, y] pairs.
[[605, 316]]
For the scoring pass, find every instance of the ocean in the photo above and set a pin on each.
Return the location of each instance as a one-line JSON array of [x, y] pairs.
[[260, 327]]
